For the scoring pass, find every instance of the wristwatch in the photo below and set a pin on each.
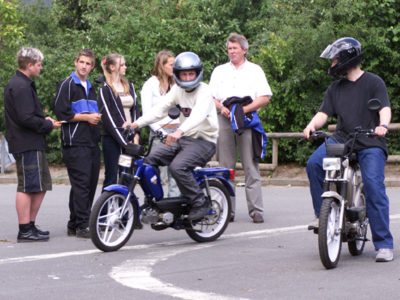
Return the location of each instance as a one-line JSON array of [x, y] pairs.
[[384, 126]]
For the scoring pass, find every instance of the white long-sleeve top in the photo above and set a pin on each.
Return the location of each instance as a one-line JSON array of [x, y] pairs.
[[202, 121], [151, 97]]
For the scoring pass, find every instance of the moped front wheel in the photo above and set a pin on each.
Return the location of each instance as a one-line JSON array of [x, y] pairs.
[[329, 235], [215, 222], [109, 229]]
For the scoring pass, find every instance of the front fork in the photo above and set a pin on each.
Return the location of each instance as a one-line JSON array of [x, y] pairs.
[[332, 194], [131, 188]]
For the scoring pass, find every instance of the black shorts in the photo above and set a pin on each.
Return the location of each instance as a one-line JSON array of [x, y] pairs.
[[33, 172]]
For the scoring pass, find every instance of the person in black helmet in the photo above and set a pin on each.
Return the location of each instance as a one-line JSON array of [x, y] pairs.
[[346, 99], [193, 143]]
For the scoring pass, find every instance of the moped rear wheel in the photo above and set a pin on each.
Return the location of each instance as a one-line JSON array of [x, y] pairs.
[[214, 224], [108, 230], [356, 245], [329, 236]]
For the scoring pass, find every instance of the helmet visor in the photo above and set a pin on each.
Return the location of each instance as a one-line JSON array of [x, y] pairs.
[[331, 51]]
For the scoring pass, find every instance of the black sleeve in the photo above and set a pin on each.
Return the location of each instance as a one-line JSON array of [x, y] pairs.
[[28, 112], [327, 105], [110, 123], [62, 103]]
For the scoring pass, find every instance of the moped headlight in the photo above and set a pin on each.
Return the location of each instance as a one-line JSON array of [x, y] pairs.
[[125, 161], [331, 163]]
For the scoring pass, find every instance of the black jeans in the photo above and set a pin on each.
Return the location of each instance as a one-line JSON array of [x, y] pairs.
[[182, 157], [83, 166], [111, 152]]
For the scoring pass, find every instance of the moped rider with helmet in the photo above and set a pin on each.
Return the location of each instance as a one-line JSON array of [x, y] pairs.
[[346, 99], [194, 142]]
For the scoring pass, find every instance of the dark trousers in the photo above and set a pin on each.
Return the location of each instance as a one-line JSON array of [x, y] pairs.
[[83, 166], [182, 157], [111, 152]]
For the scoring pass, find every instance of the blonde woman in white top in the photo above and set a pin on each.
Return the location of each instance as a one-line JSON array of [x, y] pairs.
[[153, 93]]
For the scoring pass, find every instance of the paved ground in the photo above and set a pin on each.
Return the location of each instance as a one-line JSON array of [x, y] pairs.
[[275, 260]]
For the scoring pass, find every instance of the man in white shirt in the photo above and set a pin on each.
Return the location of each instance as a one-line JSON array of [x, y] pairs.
[[240, 78], [194, 142]]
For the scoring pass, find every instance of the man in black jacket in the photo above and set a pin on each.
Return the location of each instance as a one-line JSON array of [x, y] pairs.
[[76, 105], [26, 129]]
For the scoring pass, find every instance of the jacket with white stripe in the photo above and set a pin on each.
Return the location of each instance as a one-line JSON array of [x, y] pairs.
[[113, 115], [72, 99]]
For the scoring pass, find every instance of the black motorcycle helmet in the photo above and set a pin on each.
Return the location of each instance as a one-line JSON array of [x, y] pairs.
[[188, 61], [348, 52]]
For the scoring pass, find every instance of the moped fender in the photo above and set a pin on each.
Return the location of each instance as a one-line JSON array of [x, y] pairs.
[[332, 194], [224, 182], [117, 188]]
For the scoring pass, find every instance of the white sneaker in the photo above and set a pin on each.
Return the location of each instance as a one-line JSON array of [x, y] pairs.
[[384, 255], [314, 223]]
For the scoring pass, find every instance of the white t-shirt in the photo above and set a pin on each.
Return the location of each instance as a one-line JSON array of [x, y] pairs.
[[150, 97], [248, 80], [202, 121], [84, 84]]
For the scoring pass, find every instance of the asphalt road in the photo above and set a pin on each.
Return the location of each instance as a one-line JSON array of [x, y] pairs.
[[274, 260]]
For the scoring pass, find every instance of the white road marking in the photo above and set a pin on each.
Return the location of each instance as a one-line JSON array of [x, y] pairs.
[[22, 259], [137, 273], [144, 246]]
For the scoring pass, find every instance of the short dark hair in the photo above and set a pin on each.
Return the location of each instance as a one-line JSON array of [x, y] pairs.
[[86, 52]]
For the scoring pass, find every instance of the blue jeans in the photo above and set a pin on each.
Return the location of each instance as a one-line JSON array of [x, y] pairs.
[[372, 163]]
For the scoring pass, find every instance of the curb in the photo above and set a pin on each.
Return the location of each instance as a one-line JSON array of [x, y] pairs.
[[64, 180]]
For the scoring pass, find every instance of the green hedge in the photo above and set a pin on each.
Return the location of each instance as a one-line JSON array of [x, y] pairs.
[[286, 38]]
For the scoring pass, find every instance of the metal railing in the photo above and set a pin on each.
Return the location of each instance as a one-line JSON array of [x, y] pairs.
[[275, 136]]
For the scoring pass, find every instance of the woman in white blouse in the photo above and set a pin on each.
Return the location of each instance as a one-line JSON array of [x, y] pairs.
[[117, 100], [153, 92]]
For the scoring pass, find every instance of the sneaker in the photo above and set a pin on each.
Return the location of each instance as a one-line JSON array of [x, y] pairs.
[[83, 233], [198, 212], [314, 224], [257, 218], [71, 231], [31, 236], [384, 255]]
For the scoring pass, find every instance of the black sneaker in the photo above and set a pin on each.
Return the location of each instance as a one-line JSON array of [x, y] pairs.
[[83, 233], [198, 212], [71, 231], [31, 236]]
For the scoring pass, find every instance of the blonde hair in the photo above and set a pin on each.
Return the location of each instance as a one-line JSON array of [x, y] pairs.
[[113, 59], [158, 71], [28, 55]]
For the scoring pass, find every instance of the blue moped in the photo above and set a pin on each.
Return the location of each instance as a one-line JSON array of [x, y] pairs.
[[117, 210]]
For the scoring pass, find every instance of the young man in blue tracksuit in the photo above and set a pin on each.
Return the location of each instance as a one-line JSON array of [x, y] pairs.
[[76, 107]]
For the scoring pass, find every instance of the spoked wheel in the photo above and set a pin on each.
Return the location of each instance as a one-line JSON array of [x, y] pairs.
[[356, 245], [329, 237], [108, 230], [214, 224]]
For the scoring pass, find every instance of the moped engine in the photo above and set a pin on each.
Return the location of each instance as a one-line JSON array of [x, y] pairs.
[[154, 216]]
